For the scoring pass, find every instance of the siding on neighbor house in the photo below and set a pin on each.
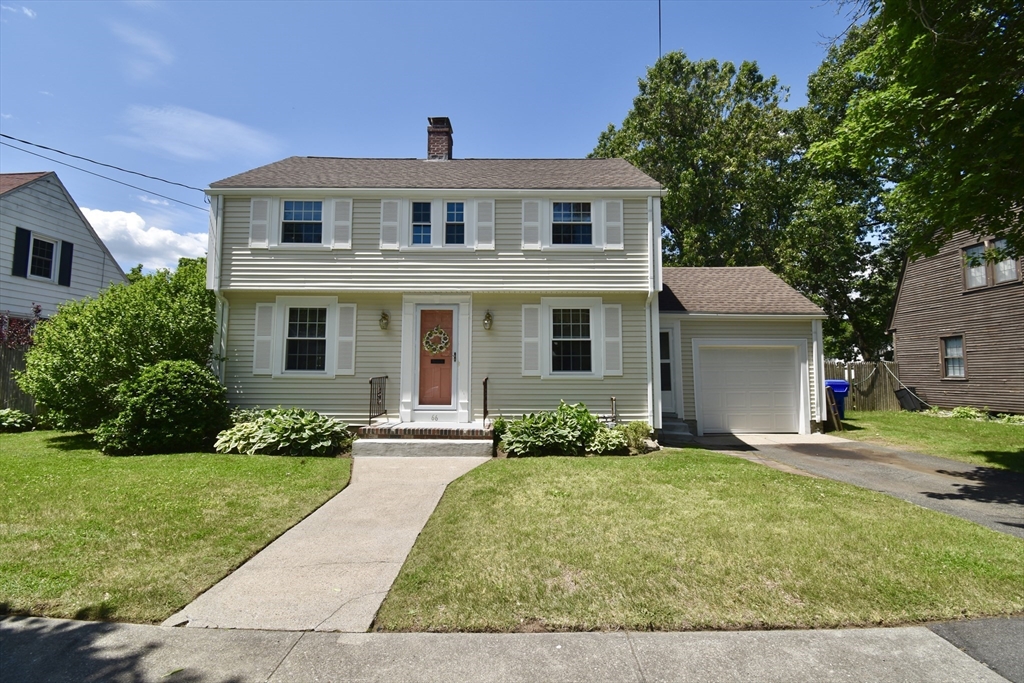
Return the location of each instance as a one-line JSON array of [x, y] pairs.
[[690, 328], [365, 267], [934, 303], [42, 207], [495, 354]]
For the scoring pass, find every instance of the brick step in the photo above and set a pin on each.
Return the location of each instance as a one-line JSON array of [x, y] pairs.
[[403, 430]]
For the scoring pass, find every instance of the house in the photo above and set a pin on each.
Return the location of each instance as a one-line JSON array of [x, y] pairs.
[[480, 287], [48, 251], [958, 327]]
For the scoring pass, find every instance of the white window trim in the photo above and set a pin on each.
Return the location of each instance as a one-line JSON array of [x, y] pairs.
[[326, 223], [438, 213], [282, 304], [596, 307], [597, 222], [54, 263]]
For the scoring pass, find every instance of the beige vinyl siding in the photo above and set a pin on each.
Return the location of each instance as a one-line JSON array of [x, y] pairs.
[[736, 328], [497, 354], [378, 352], [44, 208], [365, 267]]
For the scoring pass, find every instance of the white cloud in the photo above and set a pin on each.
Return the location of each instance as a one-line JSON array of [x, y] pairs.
[[24, 10], [150, 52], [5, 116], [131, 242], [193, 135], [154, 200]]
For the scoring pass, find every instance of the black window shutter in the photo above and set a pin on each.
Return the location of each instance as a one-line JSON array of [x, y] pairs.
[[66, 250], [22, 241]]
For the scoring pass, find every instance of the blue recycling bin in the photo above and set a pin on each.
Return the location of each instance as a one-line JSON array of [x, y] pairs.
[[840, 388]]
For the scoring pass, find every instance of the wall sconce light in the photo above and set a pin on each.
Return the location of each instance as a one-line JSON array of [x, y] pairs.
[[488, 320], [384, 320]]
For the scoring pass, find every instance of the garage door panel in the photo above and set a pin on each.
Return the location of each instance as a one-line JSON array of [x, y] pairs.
[[749, 389]]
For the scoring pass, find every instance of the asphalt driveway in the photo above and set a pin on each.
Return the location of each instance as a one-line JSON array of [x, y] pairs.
[[990, 497]]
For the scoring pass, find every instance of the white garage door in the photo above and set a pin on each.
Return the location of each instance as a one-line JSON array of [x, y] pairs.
[[749, 389]]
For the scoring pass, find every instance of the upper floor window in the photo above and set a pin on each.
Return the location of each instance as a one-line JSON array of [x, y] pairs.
[[980, 270], [455, 223], [306, 340], [302, 223], [41, 263], [421, 222], [953, 357], [571, 223]]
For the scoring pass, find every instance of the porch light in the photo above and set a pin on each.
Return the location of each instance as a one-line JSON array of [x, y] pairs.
[[488, 320], [384, 320]]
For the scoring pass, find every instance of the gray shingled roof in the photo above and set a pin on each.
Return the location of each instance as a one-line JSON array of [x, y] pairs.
[[751, 290], [496, 174]]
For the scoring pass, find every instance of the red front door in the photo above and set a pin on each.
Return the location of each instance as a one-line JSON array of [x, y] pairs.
[[437, 340]]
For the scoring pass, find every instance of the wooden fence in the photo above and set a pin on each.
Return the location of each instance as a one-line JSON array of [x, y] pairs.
[[872, 385], [11, 395]]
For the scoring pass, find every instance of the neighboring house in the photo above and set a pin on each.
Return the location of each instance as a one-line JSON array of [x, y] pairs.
[[535, 278], [48, 251], [958, 327]]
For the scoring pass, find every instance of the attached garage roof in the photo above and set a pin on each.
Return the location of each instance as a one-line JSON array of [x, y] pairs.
[[742, 290], [485, 174]]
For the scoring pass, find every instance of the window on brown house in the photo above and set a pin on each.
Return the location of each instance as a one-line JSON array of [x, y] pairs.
[[953, 365], [980, 271]]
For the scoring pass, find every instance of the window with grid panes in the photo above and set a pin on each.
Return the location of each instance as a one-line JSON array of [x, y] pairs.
[[41, 263], [571, 223], [306, 343], [953, 357], [570, 340], [421, 222], [302, 223], [455, 223]]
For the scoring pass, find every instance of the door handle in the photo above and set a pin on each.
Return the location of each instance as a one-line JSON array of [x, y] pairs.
[[455, 357]]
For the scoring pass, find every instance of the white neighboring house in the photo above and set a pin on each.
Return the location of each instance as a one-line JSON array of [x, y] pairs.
[[527, 281], [48, 251]]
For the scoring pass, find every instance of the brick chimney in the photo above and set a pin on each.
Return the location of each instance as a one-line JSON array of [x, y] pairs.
[[439, 138]]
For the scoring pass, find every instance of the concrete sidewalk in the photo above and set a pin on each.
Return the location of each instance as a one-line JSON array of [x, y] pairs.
[[45, 650], [332, 570]]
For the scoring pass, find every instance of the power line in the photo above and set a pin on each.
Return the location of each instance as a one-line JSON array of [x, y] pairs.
[[98, 175], [98, 163]]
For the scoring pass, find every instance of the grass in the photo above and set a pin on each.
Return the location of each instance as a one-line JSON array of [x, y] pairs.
[[991, 444], [83, 535], [688, 539]]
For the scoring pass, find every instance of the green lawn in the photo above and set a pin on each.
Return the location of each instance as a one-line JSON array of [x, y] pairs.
[[688, 539], [992, 444], [134, 539]]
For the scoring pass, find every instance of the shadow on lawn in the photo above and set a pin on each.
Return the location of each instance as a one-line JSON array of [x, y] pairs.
[[71, 442], [1011, 460], [988, 485]]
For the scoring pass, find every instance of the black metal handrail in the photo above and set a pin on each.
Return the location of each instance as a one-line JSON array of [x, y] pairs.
[[485, 398], [378, 397]]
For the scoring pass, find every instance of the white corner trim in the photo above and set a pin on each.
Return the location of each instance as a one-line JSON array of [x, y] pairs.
[[819, 370]]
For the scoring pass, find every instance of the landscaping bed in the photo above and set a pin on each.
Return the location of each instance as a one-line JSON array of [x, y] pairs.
[[688, 539], [988, 443], [83, 535]]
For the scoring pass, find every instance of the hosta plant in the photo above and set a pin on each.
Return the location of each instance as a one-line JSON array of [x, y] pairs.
[[286, 431]]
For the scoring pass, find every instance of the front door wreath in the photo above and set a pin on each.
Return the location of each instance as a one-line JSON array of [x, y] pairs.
[[436, 341]]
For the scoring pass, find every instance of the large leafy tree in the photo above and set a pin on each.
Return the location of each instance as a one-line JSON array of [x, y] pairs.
[[82, 354], [716, 137], [943, 118]]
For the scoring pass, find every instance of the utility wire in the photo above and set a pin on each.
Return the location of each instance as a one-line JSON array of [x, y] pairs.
[[98, 175], [98, 163]]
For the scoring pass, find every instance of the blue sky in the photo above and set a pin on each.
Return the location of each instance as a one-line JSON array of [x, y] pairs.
[[198, 91]]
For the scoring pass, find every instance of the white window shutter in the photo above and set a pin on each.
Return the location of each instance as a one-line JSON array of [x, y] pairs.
[[531, 223], [437, 217], [613, 339], [485, 224], [342, 223], [263, 340], [259, 222], [390, 211], [613, 224], [531, 340], [346, 339]]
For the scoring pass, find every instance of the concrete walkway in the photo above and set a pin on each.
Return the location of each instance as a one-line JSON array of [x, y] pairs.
[[44, 650], [331, 571], [991, 497]]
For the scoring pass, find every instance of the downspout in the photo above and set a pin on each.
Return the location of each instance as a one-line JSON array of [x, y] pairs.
[[652, 312]]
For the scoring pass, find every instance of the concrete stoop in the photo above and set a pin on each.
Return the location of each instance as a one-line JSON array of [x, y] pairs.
[[403, 439], [674, 432]]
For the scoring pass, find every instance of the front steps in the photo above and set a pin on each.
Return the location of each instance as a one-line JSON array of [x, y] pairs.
[[417, 439], [674, 432]]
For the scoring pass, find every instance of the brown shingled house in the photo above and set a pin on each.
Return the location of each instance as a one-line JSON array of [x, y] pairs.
[[478, 287]]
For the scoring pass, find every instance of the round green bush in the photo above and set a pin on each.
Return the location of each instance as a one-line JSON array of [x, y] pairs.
[[171, 407]]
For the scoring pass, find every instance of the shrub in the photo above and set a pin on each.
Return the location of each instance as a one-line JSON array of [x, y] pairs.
[[1007, 418], [172, 406], [82, 354], [289, 431], [969, 413], [636, 434], [608, 442], [242, 415], [13, 420], [565, 431], [499, 427]]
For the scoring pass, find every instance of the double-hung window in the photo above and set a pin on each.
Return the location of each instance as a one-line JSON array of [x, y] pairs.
[[571, 349], [577, 337], [571, 223], [980, 270], [455, 223], [421, 222], [953, 366], [41, 261], [306, 339], [302, 222]]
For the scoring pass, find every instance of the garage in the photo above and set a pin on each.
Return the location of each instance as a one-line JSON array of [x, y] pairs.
[[748, 389]]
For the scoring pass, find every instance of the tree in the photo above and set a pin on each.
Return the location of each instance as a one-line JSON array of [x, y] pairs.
[[83, 353], [719, 142], [943, 120]]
